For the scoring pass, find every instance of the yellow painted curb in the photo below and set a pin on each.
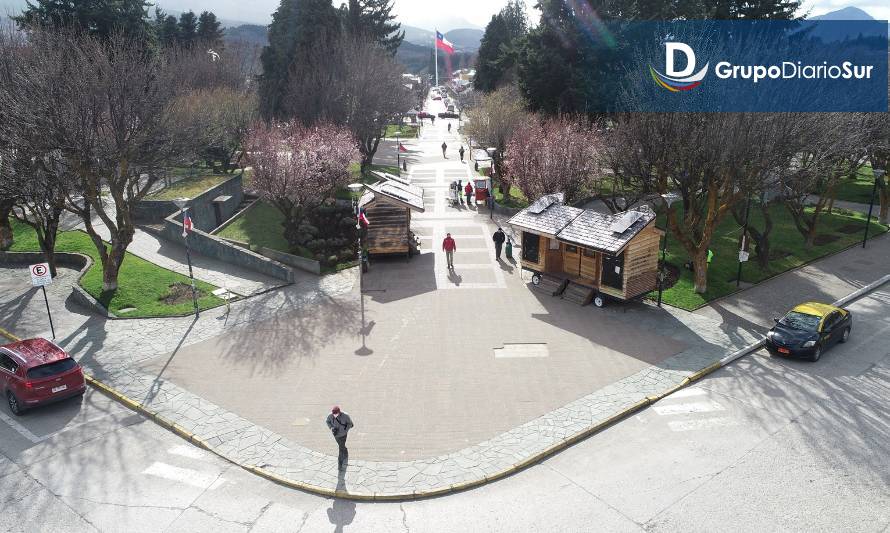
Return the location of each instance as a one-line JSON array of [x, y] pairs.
[[331, 493], [9, 335]]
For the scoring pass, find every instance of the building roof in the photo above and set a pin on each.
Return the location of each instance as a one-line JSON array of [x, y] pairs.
[[546, 216], [606, 233], [583, 227], [409, 195]]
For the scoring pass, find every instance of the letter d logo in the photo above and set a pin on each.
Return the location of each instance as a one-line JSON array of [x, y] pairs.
[[671, 49]]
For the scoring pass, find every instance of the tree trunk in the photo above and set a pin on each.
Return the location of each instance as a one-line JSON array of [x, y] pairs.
[[112, 264], [700, 270], [6, 237], [884, 197]]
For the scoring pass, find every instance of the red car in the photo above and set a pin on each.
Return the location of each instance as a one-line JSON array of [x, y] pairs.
[[36, 372]]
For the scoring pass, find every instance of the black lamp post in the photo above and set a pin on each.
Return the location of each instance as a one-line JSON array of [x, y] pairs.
[[879, 175], [668, 198], [398, 157], [181, 204]]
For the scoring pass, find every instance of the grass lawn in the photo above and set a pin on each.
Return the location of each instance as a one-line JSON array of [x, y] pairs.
[[786, 243], [191, 186], [260, 226], [857, 190], [141, 285], [516, 200], [405, 131]]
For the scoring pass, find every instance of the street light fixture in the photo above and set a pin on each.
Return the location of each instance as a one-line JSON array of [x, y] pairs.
[[668, 199], [182, 204], [879, 175]]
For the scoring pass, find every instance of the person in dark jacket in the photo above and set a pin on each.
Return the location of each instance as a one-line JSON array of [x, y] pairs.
[[499, 237], [340, 423], [461, 152], [444, 148]]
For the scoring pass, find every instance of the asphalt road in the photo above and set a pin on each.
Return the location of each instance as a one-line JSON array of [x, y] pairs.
[[763, 445]]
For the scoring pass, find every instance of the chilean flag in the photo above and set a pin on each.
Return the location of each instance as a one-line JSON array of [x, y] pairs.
[[402, 148], [443, 44], [186, 225], [363, 219]]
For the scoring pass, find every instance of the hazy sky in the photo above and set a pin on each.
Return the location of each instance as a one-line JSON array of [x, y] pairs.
[[431, 13]]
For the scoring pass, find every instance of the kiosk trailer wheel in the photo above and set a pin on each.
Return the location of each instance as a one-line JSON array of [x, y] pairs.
[[536, 278], [599, 300]]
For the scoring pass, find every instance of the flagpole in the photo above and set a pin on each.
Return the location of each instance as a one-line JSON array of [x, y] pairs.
[[436, 46]]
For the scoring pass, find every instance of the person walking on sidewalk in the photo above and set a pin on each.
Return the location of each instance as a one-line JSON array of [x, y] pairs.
[[499, 237], [461, 152], [444, 147], [340, 423], [468, 190], [449, 246], [449, 127]]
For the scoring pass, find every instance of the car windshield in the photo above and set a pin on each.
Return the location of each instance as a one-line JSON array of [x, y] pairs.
[[801, 321], [51, 369]]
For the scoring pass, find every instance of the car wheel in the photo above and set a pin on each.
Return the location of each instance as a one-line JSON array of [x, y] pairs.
[[817, 353], [599, 300], [14, 406], [846, 335], [536, 279]]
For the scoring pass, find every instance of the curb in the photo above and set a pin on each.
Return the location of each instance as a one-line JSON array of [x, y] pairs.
[[458, 487]]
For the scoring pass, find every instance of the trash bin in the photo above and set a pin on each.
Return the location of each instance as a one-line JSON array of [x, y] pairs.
[[509, 249]]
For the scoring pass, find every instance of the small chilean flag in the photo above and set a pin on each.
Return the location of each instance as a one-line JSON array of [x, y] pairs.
[[186, 225], [443, 44], [402, 148], [362, 218]]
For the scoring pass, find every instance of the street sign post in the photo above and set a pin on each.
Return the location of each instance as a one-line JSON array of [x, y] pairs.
[[41, 277]]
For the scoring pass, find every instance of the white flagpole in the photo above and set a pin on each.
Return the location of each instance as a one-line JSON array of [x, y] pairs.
[[436, 46]]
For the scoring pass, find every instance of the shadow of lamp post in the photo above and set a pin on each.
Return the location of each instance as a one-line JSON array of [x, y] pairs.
[[668, 199], [879, 176], [186, 227]]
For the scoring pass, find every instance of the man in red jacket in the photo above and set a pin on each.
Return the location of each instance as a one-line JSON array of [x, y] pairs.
[[449, 246], [468, 190]]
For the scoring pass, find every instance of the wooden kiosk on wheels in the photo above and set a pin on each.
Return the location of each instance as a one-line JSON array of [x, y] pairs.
[[585, 256], [388, 205]]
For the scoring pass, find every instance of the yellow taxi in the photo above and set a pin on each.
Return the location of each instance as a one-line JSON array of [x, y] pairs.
[[808, 330]]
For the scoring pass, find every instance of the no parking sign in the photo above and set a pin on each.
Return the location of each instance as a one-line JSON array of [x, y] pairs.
[[40, 275]]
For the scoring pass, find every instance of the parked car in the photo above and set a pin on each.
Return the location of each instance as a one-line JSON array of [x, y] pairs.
[[424, 114], [437, 97], [448, 115], [808, 330], [36, 372]]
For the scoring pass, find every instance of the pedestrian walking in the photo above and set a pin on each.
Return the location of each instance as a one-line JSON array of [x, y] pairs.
[[461, 152], [340, 423], [468, 190], [460, 189], [444, 147], [499, 237], [432, 120], [449, 127], [449, 246]]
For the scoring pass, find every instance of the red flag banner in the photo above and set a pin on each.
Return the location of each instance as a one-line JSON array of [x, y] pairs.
[[402, 148]]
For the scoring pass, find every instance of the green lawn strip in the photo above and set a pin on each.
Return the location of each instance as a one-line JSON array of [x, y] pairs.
[[516, 200], [785, 239], [141, 284], [405, 131], [856, 190], [259, 226], [190, 187]]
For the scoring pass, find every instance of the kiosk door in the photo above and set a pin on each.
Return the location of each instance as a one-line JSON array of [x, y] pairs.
[[613, 271]]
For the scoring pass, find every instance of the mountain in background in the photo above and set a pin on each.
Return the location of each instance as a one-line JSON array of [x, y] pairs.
[[847, 13], [248, 33]]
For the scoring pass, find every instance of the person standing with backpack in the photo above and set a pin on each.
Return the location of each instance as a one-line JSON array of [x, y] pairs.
[[444, 148], [340, 423]]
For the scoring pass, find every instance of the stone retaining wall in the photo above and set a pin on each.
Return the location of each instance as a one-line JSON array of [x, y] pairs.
[[217, 248], [79, 262], [201, 207]]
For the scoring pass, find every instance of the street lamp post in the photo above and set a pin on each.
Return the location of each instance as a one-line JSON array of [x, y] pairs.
[[355, 190], [879, 174], [181, 204], [398, 156], [668, 198], [738, 276]]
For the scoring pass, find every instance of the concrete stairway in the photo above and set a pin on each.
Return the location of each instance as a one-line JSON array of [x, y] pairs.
[[551, 285]]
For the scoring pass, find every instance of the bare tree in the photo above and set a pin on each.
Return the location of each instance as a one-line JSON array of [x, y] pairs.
[[831, 150], [553, 155], [217, 120], [108, 108], [712, 161], [493, 122]]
